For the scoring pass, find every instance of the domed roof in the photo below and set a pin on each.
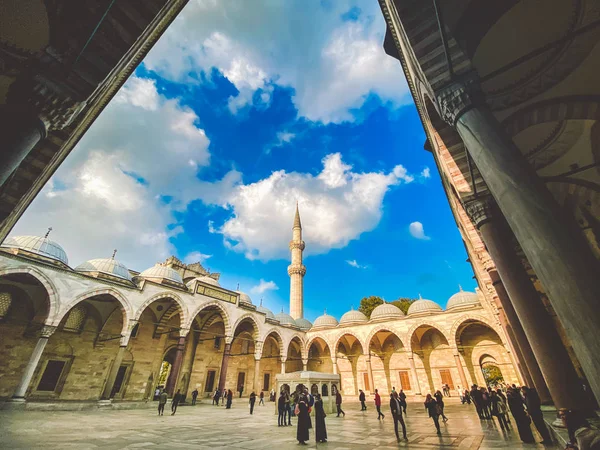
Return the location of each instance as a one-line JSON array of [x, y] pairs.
[[462, 298], [266, 311], [244, 298], [158, 273], [208, 280], [303, 324], [285, 319], [325, 321], [353, 316], [39, 245], [423, 306], [386, 311], [108, 266]]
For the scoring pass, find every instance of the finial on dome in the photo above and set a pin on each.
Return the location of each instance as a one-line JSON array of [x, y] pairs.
[[281, 310], [420, 298], [238, 287], [460, 288], [261, 301], [48, 232], [114, 253], [325, 312]]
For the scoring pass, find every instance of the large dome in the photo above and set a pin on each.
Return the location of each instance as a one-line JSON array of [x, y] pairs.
[[107, 266], [424, 306], [386, 311], [244, 298], [353, 317], [39, 245], [303, 324], [265, 311], [285, 319], [325, 321], [462, 299], [208, 280], [159, 273]]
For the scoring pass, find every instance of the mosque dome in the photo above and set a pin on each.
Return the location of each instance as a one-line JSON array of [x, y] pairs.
[[424, 306], [244, 298], [386, 311], [462, 299], [353, 317], [325, 321], [159, 273], [39, 245], [106, 266], [285, 319], [265, 311], [210, 280], [303, 324]]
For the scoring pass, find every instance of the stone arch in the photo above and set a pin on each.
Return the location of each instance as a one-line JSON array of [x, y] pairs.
[[302, 345], [279, 339], [248, 317], [420, 324], [339, 337], [379, 328], [319, 336], [222, 311], [475, 318], [181, 306], [53, 298]]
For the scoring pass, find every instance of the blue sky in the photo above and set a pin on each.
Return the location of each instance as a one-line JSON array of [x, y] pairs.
[[240, 111]]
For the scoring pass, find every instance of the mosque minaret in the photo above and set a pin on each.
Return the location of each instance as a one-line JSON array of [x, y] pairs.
[[297, 270]]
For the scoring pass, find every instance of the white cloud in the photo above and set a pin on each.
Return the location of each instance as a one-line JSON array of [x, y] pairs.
[[332, 65], [194, 257], [355, 264], [417, 231], [426, 173], [336, 206], [264, 286]]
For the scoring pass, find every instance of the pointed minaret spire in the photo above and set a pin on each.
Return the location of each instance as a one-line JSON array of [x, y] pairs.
[[296, 269], [50, 228], [297, 223]]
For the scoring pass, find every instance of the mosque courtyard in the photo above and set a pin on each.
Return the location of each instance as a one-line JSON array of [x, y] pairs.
[[206, 427]]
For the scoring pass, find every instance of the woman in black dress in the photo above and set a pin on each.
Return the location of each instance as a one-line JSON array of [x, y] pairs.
[[515, 403], [433, 409], [320, 428], [302, 414]]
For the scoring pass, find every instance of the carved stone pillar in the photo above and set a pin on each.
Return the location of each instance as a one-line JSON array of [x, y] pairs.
[[224, 364], [283, 365], [32, 364], [112, 375], [305, 365], [550, 239], [370, 373], [256, 383], [413, 371], [461, 370], [335, 368], [174, 377]]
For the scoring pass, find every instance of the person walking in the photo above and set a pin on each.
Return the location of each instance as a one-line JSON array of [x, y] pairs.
[[320, 428], [281, 410], [216, 397], [503, 398], [439, 398], [229, 398], [485, 403], [162, 401], [499, 409], [224, 396], [241, 389], [302, 413], [380, 415], [177, 398], [466, 397], [396, 409], [252, 400], [194, 396], [288, 409], [338, 404], [477, 400], [534, 409], [433, 409], [402, 399], [515, 403], [262, 399], [362, 398]]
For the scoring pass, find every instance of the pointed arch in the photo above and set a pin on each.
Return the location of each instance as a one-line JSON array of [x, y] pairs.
[[424, 323], [324, 339], [379, 328], [279, 340], [181, 306], [339, 337], [222, 312], [302, 345], [245, 318], [474, 318]]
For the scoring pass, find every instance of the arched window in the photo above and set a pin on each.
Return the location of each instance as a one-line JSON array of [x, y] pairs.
[[5, 302], [75, 319], [324, 390], [314, 389]]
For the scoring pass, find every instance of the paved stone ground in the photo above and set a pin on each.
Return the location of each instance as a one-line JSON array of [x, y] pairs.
[[206, 427]]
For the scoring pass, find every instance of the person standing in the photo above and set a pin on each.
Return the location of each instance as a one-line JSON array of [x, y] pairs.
[[302, 413], [477, 400], [362, 398], [252, 401], [515, 403], [262, 399], [396, 409], [320, 428], [485, 403], [460, 394], [241, 389], [534, 408], [380, 415], [156, 393], [433, 409], [338, 404], [499, 409], [229, 398], [224, 396], [467, 397], [175, 402], [281, 409], [439, 398], [162, 401], [216, 397], [194, 396], [402, 399]]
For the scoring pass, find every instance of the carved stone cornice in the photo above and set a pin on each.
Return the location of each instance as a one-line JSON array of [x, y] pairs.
[[296, 269], [47, 331], [480, 210], [297, 245], [458, 97]]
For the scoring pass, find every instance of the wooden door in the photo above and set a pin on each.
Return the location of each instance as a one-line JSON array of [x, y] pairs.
[[404, 380], [446, 378], [367, 385], [241, 381]]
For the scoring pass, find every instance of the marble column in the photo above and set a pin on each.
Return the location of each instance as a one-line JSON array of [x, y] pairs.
[[413, 370], [334, 364], [461, 371], [257, 387], [112, 375], [174, 376], [554, 361], [370, 373], [550, 238], [305, 365], [33, 362], [188, 362], [283, 365], [224, 364]]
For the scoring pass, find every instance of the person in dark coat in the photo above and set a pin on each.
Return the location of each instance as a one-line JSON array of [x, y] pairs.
[[485, 403], [320, 428], [262, 399], [534, 408], [477, 400], [252, 401], [229, 399], [362, 398], [194, 396], [302, 414], [402, 399], [380, 415], [216, 397], [281, 410], [162, 401], [433, 409], [338, 404], [396, 409], [310, 401], [288, 409], [499, 409], [515, 403], [439, 398], [177, 398]]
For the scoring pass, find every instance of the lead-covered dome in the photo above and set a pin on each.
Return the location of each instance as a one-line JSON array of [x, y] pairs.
[[463, 299], [40, 245], [285, 319], [106, 266], [386, 311], [353, 316], [265, 311], [424, 306], [159, 273], [325, 321], [244, 298], [209, 280], [303, 324]]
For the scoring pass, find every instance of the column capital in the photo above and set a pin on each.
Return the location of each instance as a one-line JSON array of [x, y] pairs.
[[47, 331], [480, 210], [458, 97], [124, 340]]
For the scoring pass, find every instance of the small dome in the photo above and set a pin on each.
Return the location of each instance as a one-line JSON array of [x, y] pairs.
[[244, 298], [265, 311], [285, 319], [353, 317], [462, 299], [303, 324], [424, 306], [387, 311], [107, 266], [208, 280], [325, 321], [158, 273], [39, 245]]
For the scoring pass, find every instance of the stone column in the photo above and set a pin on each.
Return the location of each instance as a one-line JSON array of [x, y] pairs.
[[305, 365], [413, 371], [370, 373], [257, 387], [461, 370], [174, 377], [224, 363], [32, 364], [112, 375], [335, 368], [188, 362], [550, 238], [549, 351], [283, 365]]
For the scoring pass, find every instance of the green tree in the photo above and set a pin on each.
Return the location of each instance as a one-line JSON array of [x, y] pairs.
[[404, 303], [368, 304], [492, 374]]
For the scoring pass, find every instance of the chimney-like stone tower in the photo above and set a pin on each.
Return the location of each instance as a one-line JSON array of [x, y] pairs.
[[296, 269]]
